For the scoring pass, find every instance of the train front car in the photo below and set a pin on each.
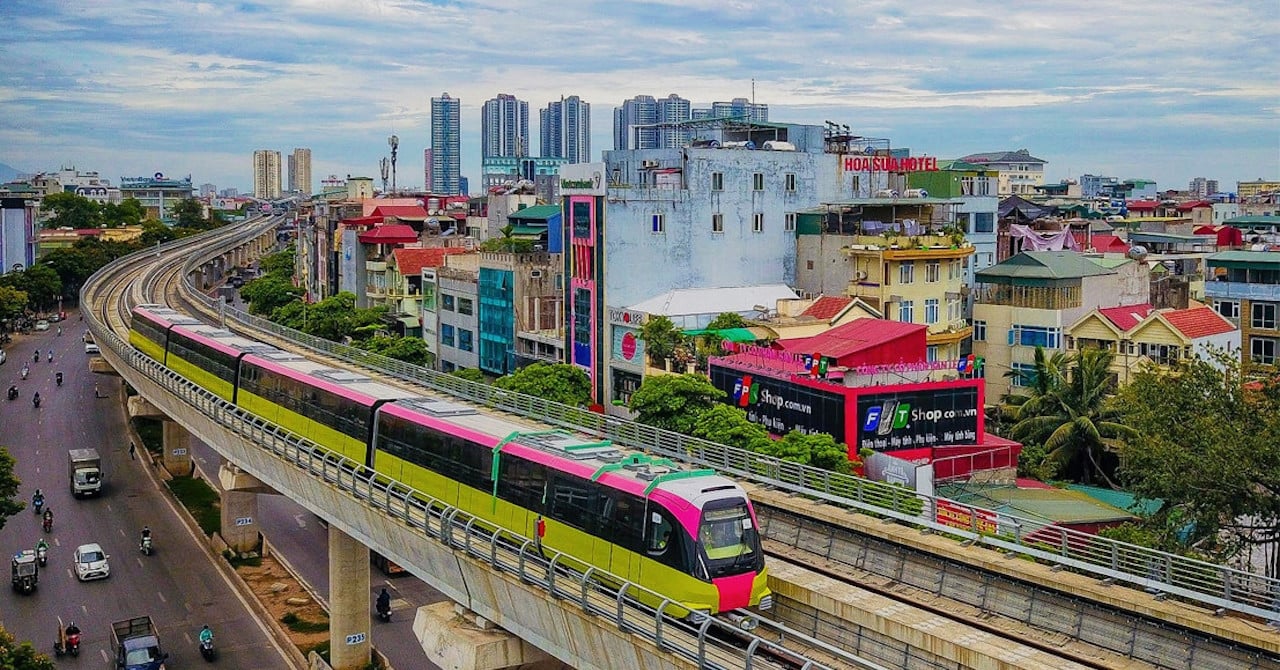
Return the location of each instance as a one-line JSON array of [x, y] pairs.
[[715, 514], [149, 329]]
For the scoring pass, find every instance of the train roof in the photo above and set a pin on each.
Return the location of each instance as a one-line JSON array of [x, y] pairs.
[[345, 383], [581, 455], [165, 315], [223, 339]]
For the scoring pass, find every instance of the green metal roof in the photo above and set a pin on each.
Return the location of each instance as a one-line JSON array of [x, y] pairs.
[[731, 334], [1139, 236], [961, 166], [1243, 259], [1109, 263], [528, 230], [1255, 220], [902, 201], [1121, 499], [1057, 505], [1044, 265], [536, 212]]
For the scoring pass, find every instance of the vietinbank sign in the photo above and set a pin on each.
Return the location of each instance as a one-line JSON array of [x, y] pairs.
[[890, 164]]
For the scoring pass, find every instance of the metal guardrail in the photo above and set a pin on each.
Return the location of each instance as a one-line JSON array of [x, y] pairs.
[[1216, 586], [479, 539]]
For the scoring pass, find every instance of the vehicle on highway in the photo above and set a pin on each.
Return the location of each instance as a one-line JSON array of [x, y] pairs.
[[91, 563], [3, 357], [137, 644], [84, 470], [26, 573], [91, 348], [688, 534], [42, 324]]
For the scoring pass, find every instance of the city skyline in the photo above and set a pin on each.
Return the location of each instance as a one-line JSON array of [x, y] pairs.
[[144, 87]]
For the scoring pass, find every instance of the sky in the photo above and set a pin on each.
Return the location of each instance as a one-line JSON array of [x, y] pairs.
[[1166, 90]]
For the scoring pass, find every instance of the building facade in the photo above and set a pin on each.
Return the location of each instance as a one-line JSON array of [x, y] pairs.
[[300, 172], [542, 171], [673, 109], [1201, 187], [641, 110], [1140, 336], [266, 174], [1257, 187], [740, 108], [504, 127], [975, 187], [17, 233], [157, 193], [446, 141], [458, 291], [566, 130], [1020, 172], [1246, 290]]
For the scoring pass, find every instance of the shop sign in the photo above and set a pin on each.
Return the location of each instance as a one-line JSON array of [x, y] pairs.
[[627, 346], [971, 366], [582, 179], [782, 406], [931, 417], [625, 317], [890, 164], [961, 516]]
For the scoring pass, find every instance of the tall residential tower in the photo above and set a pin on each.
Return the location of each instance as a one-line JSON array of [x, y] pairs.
[[300, 171], [446, 138], [566, 130], [266, 174], [504, 127]]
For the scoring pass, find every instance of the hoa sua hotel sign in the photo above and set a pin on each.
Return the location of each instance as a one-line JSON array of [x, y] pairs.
[[890, 164]]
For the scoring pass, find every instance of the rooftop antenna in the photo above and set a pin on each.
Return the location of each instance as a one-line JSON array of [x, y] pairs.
[[395, 144], [385, 166]]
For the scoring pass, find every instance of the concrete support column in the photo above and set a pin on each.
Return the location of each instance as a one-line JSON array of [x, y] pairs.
[[349, 602], [240, 520], [177, 449]]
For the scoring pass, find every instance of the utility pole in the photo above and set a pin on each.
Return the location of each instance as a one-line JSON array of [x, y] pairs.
[[394, 142]]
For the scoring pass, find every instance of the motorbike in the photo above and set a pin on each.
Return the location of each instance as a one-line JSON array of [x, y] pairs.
[[67, 642], [384, 611], [145, 545], [25, 371], [48, 524], [13, 392], [37, 505], [50, 359], [58, 378], [35, 400], [42, 555], [207, 651]]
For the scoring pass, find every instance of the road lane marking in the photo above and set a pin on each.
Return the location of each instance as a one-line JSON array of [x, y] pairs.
[[105, 657], [162, 598], [84, 609], [111, 510], [301, 522], [139, 560]]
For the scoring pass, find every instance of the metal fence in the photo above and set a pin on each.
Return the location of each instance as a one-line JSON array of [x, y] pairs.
[[624, 607], [1216, 586]]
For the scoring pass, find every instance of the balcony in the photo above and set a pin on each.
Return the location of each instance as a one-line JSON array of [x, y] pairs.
[[627, 193], [907, 247], [1241, 290]]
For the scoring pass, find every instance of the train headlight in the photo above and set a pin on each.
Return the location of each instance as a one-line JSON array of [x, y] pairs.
[[744, 622], [766, 603]]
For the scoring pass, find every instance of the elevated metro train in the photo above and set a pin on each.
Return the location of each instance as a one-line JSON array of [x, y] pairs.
[[687, 534]]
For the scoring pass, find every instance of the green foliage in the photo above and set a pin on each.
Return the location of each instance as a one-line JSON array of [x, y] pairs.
[[661, 337], [727, 424], [76, 263], [510, 245], [334, 318], [267, 295], [15, 656], [40, 282], [1209, 448], [154, 232], [10, 487], [557, 382], [726, 320], [189, 214], [130, 212], [279, 264], [471, 375], [674, 402], [1071, 413], [408, 349], [200, 500], [12, 302], [299, 625], [819, 450], [71, 211]]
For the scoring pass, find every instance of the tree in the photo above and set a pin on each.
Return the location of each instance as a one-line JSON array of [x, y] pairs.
[[15, 656], [334, 318], [268, 294], [674, 402], [12, 302], [727, 424], [819, 450], [726, 320], [1070, 412], [130, 212], [1208, 445], [408, 349], [507, 243], [189, 213], [155, 232], [9, 487], [280, 264], [71, 211], [661, 337], [41, 283], [557, 382], [471, 375]]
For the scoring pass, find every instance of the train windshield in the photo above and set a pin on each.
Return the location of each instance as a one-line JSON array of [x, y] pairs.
[[728, 539]]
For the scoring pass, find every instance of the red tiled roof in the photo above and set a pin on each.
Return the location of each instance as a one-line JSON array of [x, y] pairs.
[[1142, 204], [362, 221], [402, 211], [827, 307], [1198, 322], [1127, 316], [1104, 242], [411, 261], [1194, 204], [392, 234], [852, 337]]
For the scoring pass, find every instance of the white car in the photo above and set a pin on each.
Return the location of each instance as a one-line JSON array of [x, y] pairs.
[[91, 348], [3, 357], [42, 325], [91, 563]]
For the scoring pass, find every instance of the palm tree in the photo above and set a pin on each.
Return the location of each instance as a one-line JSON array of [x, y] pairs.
[[1071, 413]]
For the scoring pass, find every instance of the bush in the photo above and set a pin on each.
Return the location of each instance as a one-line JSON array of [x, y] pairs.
[[200, 500], [299, 625]]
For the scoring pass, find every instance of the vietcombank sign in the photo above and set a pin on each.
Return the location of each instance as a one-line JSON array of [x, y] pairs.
[[922, 415]]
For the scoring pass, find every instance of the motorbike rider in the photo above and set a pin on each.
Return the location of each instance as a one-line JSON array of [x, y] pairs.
[[48, 517], [36, 357], [35, 399], [206, 635], [25, 371], [13, 392], [37, 498], [384, 601], [72, 629], [42, 545], [58, 377], [50, 355], [146, 535]]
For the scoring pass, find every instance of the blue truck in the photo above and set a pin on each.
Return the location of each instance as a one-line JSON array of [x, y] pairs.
[[137, 644]]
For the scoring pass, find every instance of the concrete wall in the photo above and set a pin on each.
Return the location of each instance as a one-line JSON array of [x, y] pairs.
[[461, 284]]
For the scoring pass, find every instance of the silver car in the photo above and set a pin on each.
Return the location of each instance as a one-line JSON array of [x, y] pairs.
[[91, 563]]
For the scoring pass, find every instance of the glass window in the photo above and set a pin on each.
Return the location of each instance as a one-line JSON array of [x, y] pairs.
[[466, 306], [979, 331], [717, 181], [582, 220], [659, 223], [757, 181], [727, 538], [1263, 350], [931, 353], [906, 273], [717, 223], [932, 271], [789, 222], [1035, 336], [1264, 315], [446, 302], [1228, 308], [906, 311], [757, 223], [446, 335], [464, 340], [984, 222], [1024, 374], [790, 181], [931, 310]]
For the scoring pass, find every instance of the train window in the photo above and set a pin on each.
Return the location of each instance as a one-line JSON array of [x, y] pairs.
[[625, 525], [475, 464], [573, 501], [522, 482], [665, 540]]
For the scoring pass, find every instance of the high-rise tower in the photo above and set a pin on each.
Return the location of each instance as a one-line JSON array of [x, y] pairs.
[[446, 138], [504, 127], [641, 110], [566, 130], [266, 174], [300, 171]]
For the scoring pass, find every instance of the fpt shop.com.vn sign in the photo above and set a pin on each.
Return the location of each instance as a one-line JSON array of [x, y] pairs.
[[915, 419]]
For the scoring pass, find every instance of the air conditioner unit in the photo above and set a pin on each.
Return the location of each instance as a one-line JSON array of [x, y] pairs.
[[648, 165], [860, 275], [535, 274]]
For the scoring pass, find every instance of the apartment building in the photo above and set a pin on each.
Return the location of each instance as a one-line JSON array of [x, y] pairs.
[[1141, 336], [1245, 288]]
